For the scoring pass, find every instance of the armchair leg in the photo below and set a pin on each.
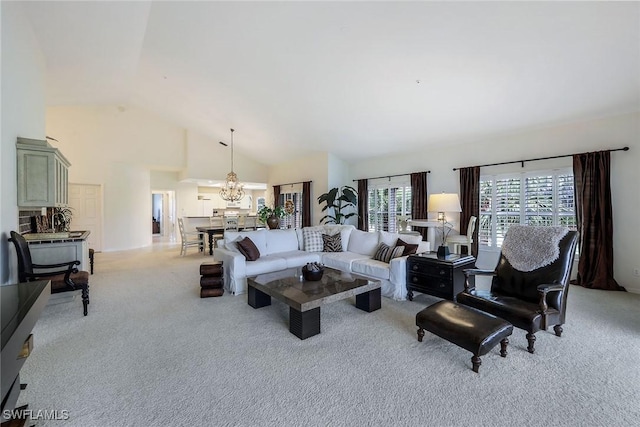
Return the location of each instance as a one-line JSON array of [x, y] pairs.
[[532, 339], [420, 334], [503, 347], [85, 298], [558, 330]]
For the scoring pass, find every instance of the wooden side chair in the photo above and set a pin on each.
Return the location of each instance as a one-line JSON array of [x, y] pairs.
[[64, 277], [189, 239]]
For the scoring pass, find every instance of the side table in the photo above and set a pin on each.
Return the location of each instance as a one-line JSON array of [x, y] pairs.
[[440, 277]]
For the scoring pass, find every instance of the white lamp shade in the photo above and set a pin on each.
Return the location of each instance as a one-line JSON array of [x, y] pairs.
[[444, 202]]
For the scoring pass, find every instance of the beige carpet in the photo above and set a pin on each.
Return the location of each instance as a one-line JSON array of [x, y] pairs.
[[152, 353]]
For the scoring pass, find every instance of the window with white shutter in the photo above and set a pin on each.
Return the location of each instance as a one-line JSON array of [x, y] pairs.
[[542, 198], [388, 200]]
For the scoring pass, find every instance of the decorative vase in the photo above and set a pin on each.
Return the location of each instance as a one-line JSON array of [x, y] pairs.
[[273, 222]]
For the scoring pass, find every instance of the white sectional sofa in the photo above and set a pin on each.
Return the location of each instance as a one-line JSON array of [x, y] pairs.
[[282, 249]]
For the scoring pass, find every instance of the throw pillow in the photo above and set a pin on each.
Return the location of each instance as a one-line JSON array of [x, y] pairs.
[[408, 247], [386, 253], [248, 249], [332, 243], [232, 245], [312, 240]]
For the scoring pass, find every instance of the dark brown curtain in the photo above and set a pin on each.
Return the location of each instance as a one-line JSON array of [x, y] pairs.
[[363, 204], [306, 204], [276, 195], [470, 202], [419, 199], [592, 172]]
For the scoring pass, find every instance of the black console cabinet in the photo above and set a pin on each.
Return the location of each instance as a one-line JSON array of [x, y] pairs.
[[431, 275], [22, 304]]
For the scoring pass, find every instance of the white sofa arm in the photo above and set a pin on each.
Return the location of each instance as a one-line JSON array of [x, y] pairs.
[[398, 277], [234, 266]]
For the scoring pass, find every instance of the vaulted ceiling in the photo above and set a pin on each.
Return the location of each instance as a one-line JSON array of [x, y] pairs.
[[357, 79]]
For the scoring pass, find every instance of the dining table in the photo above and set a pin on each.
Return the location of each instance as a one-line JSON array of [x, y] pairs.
[[214, 232]]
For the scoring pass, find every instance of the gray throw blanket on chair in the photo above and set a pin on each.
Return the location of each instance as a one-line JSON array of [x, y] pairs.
[[528, 247]]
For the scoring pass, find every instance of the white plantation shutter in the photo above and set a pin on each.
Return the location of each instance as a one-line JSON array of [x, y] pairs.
[[388, 199], [507, 206], [542, 198], [566, 201], [538, 199]]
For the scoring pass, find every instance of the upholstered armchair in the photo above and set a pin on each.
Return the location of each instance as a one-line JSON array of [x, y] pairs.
[[531, 281]]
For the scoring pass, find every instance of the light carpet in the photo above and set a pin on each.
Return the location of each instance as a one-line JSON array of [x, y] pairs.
[[152, 353]]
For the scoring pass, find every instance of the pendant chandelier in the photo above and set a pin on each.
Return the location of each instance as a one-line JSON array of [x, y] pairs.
[[232, 191]]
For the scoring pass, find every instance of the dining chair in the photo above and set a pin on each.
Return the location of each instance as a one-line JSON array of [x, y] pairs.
[[189, 239], [230, 223], [464, 239]]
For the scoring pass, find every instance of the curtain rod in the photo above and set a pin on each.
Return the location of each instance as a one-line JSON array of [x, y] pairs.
[[292, 183], [541, 158], [388, 176]]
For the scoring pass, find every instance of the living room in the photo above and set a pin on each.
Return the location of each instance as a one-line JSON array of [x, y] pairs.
[[131, 150]]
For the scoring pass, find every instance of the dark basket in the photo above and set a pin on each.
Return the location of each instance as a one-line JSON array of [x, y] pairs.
[[311, 276]]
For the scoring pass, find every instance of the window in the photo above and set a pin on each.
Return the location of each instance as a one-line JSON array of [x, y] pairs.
[[292, 199], [542, 198], [388, 200]]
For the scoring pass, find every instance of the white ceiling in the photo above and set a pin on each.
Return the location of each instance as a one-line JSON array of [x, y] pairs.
[[352, 78]]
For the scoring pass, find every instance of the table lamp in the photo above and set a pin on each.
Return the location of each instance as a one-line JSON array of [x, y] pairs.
[[443, 203]]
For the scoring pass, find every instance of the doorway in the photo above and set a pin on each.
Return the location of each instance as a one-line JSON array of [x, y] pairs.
[[163, 214]]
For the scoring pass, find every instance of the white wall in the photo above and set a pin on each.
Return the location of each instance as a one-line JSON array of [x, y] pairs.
[[311, 168], [593, 135], [22, 114]]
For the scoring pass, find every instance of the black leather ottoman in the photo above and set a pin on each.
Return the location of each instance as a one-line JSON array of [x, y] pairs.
[[471, 329]]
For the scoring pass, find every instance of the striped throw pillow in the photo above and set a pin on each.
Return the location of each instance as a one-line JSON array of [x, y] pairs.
[[386, 253], [332, 243]]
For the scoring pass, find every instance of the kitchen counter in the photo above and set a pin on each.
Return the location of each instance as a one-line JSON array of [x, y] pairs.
[[68, 236]]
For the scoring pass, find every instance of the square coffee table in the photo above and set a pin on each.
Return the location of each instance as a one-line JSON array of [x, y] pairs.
[[305, 298]]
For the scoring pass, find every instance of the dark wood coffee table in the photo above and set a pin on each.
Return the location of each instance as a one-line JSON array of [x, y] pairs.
[[305, 298]]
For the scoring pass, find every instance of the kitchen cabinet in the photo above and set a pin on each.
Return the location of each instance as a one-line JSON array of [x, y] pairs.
[[43, 174]]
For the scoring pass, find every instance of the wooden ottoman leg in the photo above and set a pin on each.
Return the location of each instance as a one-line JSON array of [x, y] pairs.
[[420, 334], [476, 361]]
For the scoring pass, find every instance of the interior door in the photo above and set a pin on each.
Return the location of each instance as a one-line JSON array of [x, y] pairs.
[[85, 200]]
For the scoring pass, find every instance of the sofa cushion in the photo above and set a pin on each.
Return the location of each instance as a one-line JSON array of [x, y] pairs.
[[265, 264], [232, 245], [408, 247], [281, 241], [371, 267], [363, 242], [388, 238], [386, 253], [312, 240], [248, 249], [258, 237], [300, 258], [332, 243], [340, 260]]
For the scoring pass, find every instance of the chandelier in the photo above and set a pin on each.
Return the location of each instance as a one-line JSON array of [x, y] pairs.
[[232, 191]]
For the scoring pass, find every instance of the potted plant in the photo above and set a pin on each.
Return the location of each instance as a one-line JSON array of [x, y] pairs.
[[336, 200], [271, 216]]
